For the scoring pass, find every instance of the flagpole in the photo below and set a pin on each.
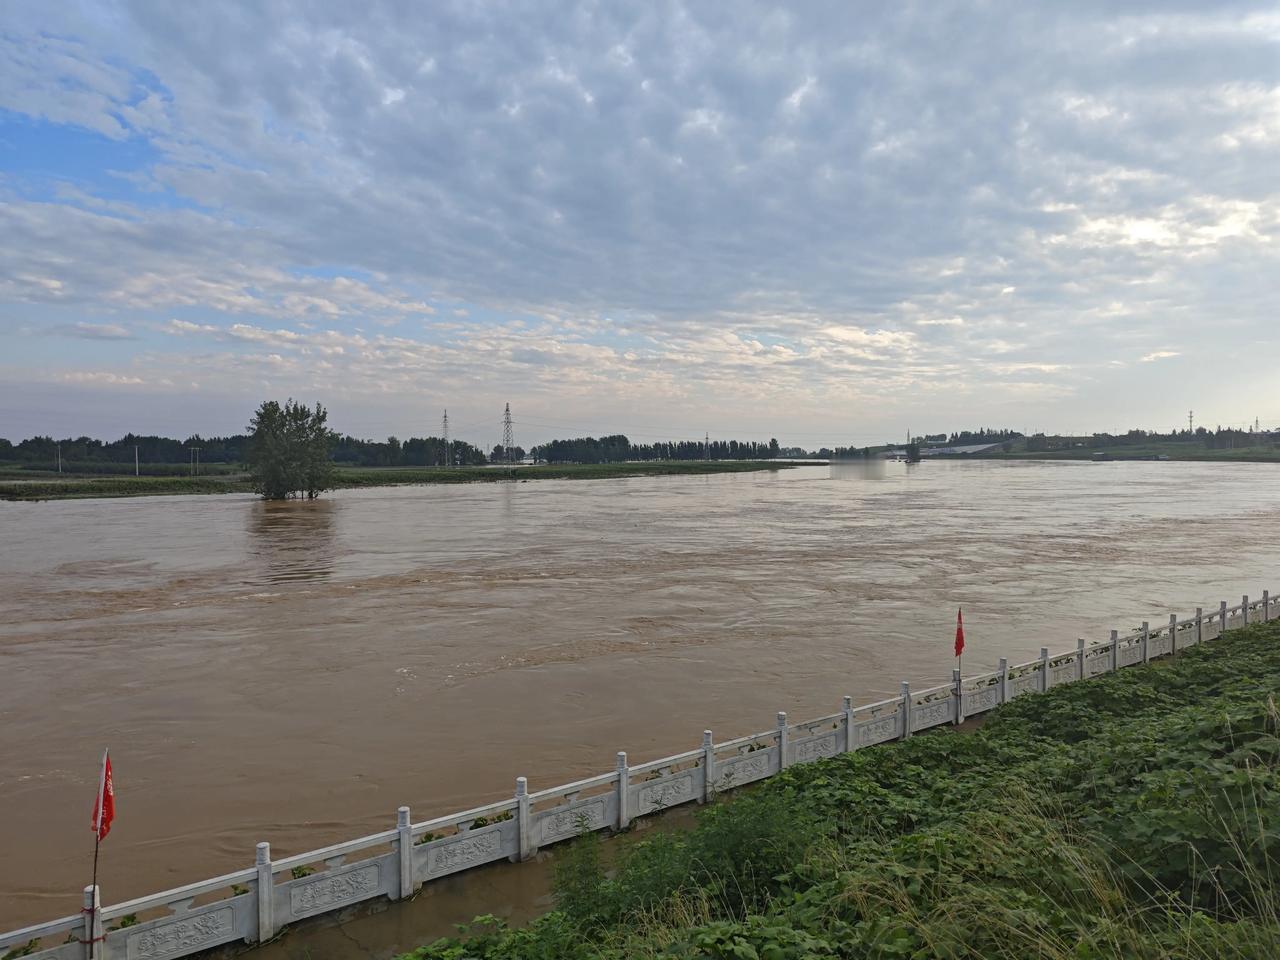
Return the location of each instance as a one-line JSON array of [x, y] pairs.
[[97, 843]]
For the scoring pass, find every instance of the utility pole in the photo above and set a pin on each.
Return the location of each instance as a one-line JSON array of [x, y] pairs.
[[135, 460], [706, 447], [59, 458], [444, 428], [508, 434]]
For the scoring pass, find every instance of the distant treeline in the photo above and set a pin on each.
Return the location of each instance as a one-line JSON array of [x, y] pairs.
[[85, 451], [1221, 438], [84, 454], [617, 447]]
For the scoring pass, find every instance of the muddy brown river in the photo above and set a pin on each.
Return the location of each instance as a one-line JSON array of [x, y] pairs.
[[294, 672]]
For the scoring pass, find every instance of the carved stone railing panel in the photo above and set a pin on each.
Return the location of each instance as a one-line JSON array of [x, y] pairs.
[[932, 713], [980, 701], [569, 820], [662, 792], [1127, 654], [186, 932], [873, 730], [334, 889], [1097, 660], [1025, 681], [745, 768], [817, 747], [439, 858]]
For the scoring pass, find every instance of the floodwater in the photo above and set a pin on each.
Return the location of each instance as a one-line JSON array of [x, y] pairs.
[[294, 672]]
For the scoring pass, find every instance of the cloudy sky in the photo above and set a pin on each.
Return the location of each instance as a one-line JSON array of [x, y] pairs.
[[824, 223]]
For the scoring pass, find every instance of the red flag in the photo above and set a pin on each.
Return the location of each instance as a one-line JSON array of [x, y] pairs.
[[104, 806], [959, 632]]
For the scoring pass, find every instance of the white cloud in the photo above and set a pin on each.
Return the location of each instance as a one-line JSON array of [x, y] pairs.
[[783, 207]]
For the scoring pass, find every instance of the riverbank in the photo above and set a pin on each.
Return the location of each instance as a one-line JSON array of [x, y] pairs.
[[82, 486], [1194, 451], [1134, 815]]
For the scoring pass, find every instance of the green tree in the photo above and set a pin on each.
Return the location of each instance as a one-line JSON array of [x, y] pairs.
[[289, 451]]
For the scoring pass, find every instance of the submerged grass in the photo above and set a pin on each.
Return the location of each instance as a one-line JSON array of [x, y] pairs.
[[51, 488], [1136, 815]]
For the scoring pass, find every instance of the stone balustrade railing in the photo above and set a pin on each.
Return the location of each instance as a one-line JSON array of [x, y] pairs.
[[255, 904]]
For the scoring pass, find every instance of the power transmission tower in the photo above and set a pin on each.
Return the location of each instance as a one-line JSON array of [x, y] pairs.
[[444, 429], [706, 447], [1191, 421], [508, 435]]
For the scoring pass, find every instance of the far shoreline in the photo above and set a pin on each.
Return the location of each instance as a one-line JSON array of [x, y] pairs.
[[356, 478]]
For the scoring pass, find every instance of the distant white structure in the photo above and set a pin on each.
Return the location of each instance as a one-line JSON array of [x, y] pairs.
[[900, 454]]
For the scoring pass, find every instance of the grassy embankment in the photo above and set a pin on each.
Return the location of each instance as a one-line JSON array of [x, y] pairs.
[[1174, 450], [1136, 815], [17, 485]]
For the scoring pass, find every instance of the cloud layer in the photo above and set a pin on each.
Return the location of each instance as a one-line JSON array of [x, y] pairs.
[[820, 223]]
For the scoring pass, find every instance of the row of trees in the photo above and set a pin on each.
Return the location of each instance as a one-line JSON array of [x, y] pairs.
[[616, 448], [1220, 438], [414, 452], [150, 449]]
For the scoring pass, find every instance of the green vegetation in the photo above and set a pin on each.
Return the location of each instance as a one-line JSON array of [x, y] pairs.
[[1135, 815], [289, 451], [1260, 452], [356, 477], [1201, 444], [349, 477], [117, 487]]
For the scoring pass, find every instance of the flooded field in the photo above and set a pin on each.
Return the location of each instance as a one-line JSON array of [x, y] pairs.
[[294, 672]]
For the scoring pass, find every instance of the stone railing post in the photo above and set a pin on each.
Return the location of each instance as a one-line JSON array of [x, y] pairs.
[[1199, 625], [1146, 638], [1115, 646], [1079, 658], [524, 829], [266, 890], [708, 766], [93, 936], [1004, 679], [906, 711], [1244, 608], [1044, 669], [624, 784], [1173, 634], [404, 834], [958, 714], [850, 742], [782, 740], [1222, 617]]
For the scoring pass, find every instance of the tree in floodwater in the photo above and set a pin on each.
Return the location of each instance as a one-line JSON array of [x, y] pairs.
[[289, 451]]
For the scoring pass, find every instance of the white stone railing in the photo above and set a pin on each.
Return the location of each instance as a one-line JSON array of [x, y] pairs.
[[395, 863]]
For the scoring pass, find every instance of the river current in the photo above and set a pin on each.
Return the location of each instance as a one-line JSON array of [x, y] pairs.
[[294, 672]]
